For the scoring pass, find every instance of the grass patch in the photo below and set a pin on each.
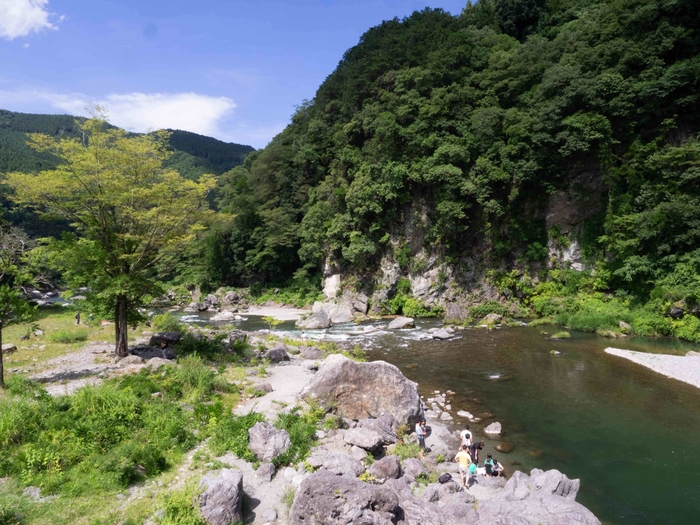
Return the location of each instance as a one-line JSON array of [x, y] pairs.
[[406, 450], [561, 335], [179, 509], [230, 433], [68, 336], [288, 498], [104, 438], [301, 428], [212, 348]]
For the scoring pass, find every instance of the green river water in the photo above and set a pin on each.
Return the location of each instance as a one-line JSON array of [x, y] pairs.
[[631, 435]]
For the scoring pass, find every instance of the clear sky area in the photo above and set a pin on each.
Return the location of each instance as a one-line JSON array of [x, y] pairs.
[[231, 69]]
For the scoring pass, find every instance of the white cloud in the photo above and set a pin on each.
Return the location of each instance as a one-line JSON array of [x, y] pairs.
[[148, 111], [21, 17], [142, 112]]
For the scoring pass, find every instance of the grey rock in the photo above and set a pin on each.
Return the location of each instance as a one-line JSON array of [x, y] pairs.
[[625, 327], [360, 303], [8, 348], [266, 471], [361, 390], [385, 425], [363, 438], [131, 360], [412, 467], [455, 313], [277, 354], [692, 353], [336, 463], [157, 362], [401, 322], [211, 300], [226, 315], [267, 442], [231, 297], [494, 429], [386, 468], [442, 334], [269, 515], [340, 313], [325, 499], [222, 496], [169, 338], [264, 387], [360, 454], [316, 321], [310, 352]]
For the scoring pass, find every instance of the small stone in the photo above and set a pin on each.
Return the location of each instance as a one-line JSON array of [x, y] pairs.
[[269, 515], [505, 447], [465, 414], [266, 471]]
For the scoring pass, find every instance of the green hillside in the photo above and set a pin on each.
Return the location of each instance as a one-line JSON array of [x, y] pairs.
[[193, 155]]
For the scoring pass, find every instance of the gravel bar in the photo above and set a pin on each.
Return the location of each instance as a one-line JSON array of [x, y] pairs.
[[684, 368]]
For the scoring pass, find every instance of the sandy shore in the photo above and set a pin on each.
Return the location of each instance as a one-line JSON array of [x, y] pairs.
[[283, 313], [683, 368]]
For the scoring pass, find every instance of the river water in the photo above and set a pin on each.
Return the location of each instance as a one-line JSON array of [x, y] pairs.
[[632, 436]]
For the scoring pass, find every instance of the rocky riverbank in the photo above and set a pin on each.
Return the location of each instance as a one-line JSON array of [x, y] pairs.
[[356, 473]]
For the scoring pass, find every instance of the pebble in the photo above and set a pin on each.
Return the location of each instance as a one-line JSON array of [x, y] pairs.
[[269, 515]]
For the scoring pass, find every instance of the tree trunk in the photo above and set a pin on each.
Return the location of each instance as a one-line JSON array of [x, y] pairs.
[[121, 327], [2, 365]]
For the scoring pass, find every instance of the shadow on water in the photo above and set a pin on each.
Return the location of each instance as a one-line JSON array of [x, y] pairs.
[[629, 434]]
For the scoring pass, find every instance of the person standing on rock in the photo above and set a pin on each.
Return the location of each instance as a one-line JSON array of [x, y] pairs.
[[421, 433], [464, 460], [466, 436]]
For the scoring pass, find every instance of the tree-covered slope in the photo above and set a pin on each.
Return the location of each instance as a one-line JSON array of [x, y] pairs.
[[455, 136], [193, 155]]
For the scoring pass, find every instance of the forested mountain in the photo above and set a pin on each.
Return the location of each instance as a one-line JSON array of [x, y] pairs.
[[443, 140], [193, 155]]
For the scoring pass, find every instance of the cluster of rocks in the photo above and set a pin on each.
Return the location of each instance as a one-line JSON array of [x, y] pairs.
[[350, 307], [230, 301]]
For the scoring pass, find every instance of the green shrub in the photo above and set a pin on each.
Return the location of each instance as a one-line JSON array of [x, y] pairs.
[[68, 336], [231, 434], [167, 323], [178, 507], [209, 348], [301, 429], [406, 450], [10, 516], [561, 335]]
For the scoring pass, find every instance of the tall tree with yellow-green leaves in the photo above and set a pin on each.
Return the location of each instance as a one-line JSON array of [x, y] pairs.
[[127, 210]]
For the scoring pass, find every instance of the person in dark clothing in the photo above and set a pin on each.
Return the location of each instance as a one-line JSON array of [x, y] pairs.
[[77, 318], [474, 449]]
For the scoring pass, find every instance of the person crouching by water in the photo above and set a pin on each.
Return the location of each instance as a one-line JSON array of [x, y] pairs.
[[464, 460], [493, 467], [422, 433]]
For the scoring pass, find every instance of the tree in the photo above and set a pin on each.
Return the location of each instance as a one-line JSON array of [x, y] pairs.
[[127, 210], [14, 246]]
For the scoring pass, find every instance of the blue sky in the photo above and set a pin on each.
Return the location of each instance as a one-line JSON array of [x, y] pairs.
[[226, 68]]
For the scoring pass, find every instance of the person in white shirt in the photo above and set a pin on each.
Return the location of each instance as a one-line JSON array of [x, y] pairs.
[[466, 436]]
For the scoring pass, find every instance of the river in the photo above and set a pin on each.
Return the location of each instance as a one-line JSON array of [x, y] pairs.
[[631, 435]]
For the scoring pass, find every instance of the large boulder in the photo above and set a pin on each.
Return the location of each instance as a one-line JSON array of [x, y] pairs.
[[326, 499], [542, 497], [362, 390], [267, 442], [385, 425], [277, 353], [401, 322], [442, 334], [363, 438], [231, 297], [386, 468], [310, 352], [169, 338], [316, 321], [495, 429], [412, 467], [340, 313], [221, 497], [336, 463], [455, 313], [492, 319], [223, 317]]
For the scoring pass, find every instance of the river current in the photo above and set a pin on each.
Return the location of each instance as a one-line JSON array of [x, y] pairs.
[[631, 435]]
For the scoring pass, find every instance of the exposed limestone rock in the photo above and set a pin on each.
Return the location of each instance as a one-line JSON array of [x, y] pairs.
[[455, 313], [267, 442], [385, 425], [336, 463], [363, 438], [494, 429], [386, 468], [222, 496], [361, 390], [326, 499], [318, 320], [401, 322]]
